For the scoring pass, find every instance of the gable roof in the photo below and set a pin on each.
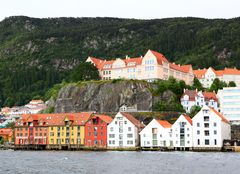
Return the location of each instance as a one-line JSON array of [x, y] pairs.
[[191, 93], [164, 123], [210, 95], [160, 57], [105, 118], [137, 60], [199, 73], [188, 119], [133, 120], [184, 68], [220, 115]]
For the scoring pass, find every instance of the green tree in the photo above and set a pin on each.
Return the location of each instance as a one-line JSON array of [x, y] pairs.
[[197, 84], [84, 71], [217, 84], [232, 84], [194, 110]]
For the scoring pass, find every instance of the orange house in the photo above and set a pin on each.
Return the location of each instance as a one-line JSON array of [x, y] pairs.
[[6, 134]]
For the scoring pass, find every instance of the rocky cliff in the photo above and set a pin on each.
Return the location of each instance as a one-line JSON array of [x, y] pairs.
[[106, 96], [103, 96]]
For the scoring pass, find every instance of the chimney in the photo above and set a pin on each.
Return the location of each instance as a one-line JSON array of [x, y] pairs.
[[174, 63], [196, 90], [184, 90], [127, 57]]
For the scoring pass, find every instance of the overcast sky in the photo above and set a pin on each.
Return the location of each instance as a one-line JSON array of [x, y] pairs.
[[141, 9]]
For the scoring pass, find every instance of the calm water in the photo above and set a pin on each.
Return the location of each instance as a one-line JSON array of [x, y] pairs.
[[118, 162]]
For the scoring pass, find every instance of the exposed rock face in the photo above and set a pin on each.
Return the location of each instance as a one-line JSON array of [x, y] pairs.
[[105, 97]]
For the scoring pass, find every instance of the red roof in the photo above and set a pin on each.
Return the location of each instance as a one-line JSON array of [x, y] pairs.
[[220, 115], [160, 57], [210, 95], [231, 71], [96, 61], [6, 131], [105, 118], [57, 118], [137, 60], [188, 119], [191, 93], [199, 73], [184, 68], [164, 123], [133, 120]]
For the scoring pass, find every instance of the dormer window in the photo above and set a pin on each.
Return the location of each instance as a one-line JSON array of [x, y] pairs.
[[131, 64]]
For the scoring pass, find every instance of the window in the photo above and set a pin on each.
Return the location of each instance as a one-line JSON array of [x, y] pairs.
[[129, 129], [67, 134], [198, 141], [198, 124], [129, 142], [207, 142], [89, 128], [206, 132], [198, 132], [215, 124], [78, 127], [111, 135], [215, 142], [51, 133], [89, 133], [115, 122], [206, 118], [215, 132], [111, 129], [129, 135], [51, 128], [125, 122], [37, 128], [206, 125], [78, 134]]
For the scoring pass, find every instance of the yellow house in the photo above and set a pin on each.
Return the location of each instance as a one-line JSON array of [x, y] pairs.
[[67, 129]]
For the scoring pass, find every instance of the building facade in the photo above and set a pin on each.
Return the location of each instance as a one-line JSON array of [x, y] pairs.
[[6, 134], [96, 131], [152, 66], [210, 128], [192, 98], [207, 76], [182, 133], [229, 102], [123, 131], [51, 130], [157, 133]]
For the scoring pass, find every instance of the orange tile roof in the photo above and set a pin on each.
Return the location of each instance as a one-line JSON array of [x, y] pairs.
[[160, 57], [137, 60], [164, 123], [210, 95], [188, 119], [6, 131], [105, 118], [231, 71], [133, 120], [220, 115], [199, 73], [184, 68], [58, 118], [96, 61]]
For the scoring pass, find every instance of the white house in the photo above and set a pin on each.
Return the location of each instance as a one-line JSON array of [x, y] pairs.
[[182, 133], [210, 128], [156, 134], [123, 131], [229, 100], [192, 98]]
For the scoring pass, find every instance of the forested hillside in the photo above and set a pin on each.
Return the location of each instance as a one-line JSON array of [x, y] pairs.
[[36, 53]]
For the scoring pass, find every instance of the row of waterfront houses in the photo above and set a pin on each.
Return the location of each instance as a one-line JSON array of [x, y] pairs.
[[206, 130]]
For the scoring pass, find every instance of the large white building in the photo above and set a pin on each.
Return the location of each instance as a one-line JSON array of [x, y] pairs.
[[152, 66], [182, 133], [229, 100], [192, 98], [207, 76], [123, 131], [156, 134], [210, 128]]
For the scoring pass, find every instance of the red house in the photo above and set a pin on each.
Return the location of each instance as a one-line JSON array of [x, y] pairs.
[[31, 129], [96, 131]]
